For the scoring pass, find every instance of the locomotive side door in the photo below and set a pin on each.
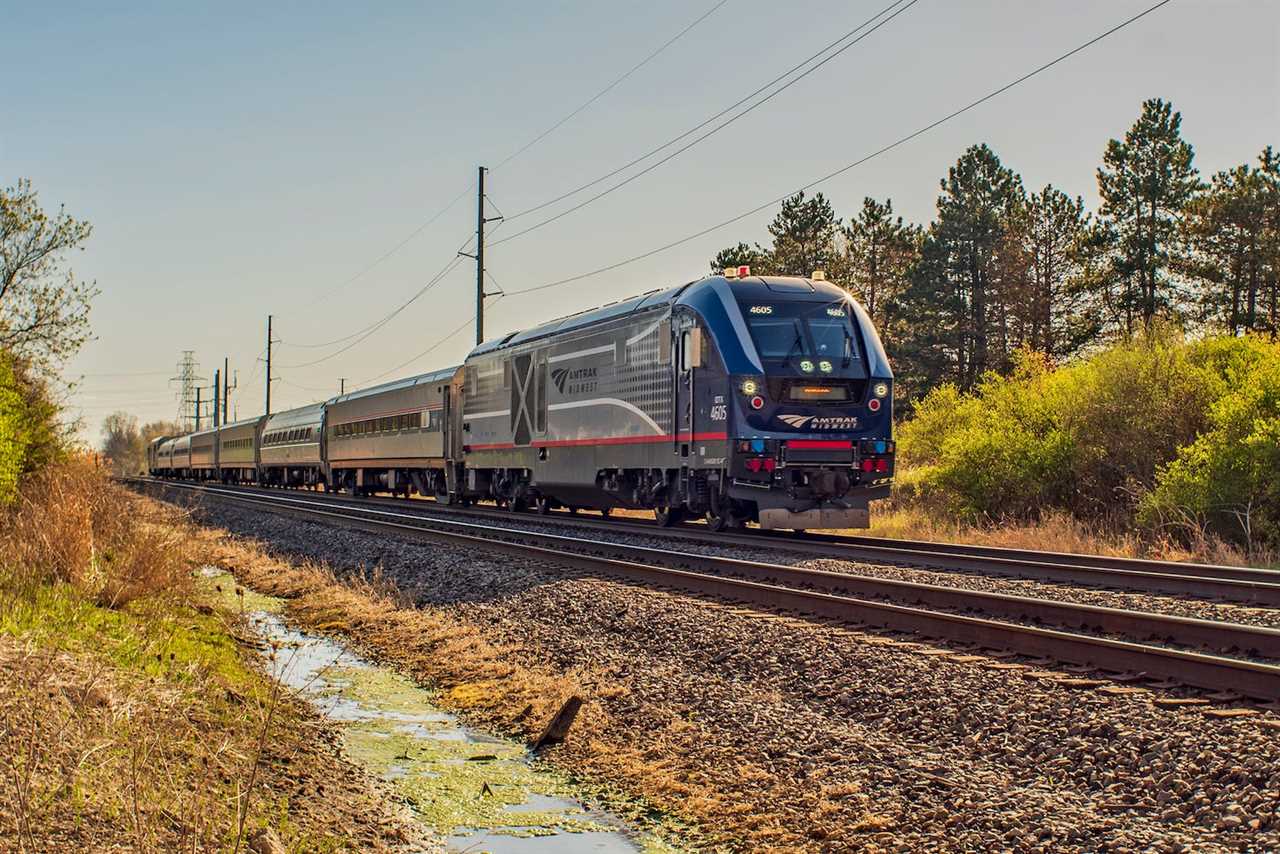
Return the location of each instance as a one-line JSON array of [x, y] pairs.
[[687, 355]]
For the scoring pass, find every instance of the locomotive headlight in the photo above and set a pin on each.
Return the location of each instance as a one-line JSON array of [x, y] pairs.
[[824, 366], [880, 389], [806, 366], [749, 387]]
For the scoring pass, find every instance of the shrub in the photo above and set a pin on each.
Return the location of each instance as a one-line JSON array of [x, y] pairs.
[[29, 435], [1227, 481], [1098, 436]]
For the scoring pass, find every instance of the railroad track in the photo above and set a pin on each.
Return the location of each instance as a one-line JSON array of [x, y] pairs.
[[1244, 585], [1213, 655]]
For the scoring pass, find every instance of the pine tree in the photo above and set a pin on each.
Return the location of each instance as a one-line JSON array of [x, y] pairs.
[[756, 257], [879, 252], [1050, 231], [803, 235], [958, 304], [1232, 232], [1145, 182]]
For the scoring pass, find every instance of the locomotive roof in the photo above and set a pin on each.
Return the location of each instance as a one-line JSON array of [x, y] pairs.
[[753, 287], [433, 377]]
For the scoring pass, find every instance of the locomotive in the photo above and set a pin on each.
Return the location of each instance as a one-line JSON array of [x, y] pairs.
[[735, 398]]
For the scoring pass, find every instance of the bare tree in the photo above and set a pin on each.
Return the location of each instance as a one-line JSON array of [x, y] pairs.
[[122, 444], [44, 308]]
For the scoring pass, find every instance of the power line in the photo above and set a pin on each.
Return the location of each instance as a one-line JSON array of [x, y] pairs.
[[606, 90], [369, 330], [811, 58], [424, 353], [384, 256], [424, 226], [846, 168]]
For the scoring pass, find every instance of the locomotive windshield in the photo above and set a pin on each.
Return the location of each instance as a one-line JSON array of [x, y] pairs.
[[809, 338]]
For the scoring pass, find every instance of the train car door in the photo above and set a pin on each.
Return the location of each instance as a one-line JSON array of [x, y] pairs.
[[451, 439]]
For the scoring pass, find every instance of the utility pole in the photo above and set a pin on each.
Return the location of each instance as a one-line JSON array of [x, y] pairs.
[[268, 364], [197, 409], [480, 260], [226, 389], [342, 385], [481, 219], [217, 399]]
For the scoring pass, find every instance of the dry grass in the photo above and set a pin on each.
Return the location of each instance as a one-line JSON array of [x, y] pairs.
[[130, 716], [1055, 532], [70, 526]]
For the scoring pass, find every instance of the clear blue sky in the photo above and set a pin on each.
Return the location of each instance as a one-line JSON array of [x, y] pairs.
[[240, 159]]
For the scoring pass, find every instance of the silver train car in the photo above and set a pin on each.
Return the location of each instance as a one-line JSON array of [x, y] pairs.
[[391, 438], [180, 456], [291, 448], [204, 455], [238, 445]]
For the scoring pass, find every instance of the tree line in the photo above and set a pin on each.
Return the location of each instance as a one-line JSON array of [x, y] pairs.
[[1002, 269]]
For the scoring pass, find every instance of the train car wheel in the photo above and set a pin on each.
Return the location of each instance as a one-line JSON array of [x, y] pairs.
[[543, 505], [722, 521], [669, 516], [518, 505], [605, 511]]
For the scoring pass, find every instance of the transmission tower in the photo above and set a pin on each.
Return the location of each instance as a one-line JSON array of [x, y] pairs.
[[187, 375]]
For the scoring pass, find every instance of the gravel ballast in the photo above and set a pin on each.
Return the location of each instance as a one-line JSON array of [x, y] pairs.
[[858, 741]]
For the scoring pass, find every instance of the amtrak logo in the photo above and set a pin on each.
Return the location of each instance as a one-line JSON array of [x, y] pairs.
[[820, 422], [575, 381]]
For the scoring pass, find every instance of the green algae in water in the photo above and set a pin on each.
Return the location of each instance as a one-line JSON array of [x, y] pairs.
[[457, 784], [223, 585], [463, 784]]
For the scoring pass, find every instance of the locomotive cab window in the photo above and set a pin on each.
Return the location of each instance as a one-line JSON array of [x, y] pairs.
[[806, 338]]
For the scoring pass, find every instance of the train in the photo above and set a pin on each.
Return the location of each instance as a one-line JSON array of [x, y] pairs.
[[734, 398]]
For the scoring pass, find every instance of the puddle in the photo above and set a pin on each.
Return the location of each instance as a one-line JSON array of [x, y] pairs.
[[480, 793]]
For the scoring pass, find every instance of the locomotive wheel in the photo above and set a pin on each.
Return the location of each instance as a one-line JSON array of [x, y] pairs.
[[725, 521], [669, 516]]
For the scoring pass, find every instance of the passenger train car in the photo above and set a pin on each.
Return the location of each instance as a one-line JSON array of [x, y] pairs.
[[290, 450], [734, 398], [390, 438], [238, 446]]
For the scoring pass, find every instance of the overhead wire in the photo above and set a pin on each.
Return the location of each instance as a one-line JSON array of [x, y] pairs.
[[607, 89], [444, 271], [424, 353], [897, 143], [746, 98], [510, 157]]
